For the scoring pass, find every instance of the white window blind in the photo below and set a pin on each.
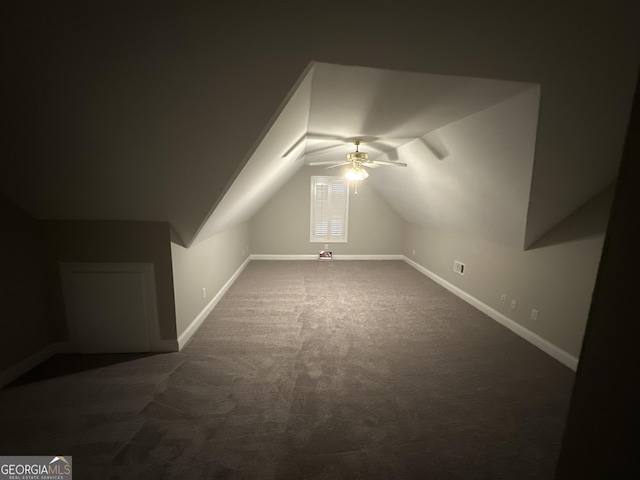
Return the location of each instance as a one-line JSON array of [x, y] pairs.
[[329, 209]]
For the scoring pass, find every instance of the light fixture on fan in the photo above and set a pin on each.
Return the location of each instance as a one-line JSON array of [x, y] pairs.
[[356, 173], [358, 163]]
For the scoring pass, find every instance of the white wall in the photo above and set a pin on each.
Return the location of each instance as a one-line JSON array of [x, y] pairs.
[[479, 185], [208, 264], [556, 276], [97, 241], [281, 226]]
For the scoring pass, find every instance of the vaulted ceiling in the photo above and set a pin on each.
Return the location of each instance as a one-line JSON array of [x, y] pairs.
[[137, 113], [469, 145]]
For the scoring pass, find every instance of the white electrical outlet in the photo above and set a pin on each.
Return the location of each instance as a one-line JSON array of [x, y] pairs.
[[513, 304], [503, 298], [414, 251], [204, 293], [326, 246], [534, 314], [458, 267]]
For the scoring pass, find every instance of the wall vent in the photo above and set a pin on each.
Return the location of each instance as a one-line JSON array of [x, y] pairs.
[[458, 267]]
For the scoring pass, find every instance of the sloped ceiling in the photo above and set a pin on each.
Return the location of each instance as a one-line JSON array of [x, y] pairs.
[[478, 184], [133, 112], [392, 111]]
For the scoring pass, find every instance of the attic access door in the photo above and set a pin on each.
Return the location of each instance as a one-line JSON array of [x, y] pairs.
[[110, 306]]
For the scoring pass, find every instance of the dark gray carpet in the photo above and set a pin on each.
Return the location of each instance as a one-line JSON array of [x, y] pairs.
[[319, 370]]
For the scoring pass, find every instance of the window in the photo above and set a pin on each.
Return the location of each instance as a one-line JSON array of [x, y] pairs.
[[329, 209]]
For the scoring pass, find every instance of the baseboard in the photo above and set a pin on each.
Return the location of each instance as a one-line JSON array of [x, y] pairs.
[[32, 361], [335, 257], [368, 257], [195, 324], [260, 256], [549, 348]]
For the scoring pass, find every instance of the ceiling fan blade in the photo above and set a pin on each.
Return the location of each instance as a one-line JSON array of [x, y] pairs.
[[332, 162], [382, 162], [339, 165], [378, 142], [370, 165]]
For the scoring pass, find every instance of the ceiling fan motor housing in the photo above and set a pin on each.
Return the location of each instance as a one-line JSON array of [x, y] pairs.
[[361, 156]]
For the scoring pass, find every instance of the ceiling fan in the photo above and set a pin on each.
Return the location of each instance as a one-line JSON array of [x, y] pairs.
[[357, 160]]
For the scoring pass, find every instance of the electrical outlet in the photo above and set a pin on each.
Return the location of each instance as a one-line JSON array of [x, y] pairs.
[[513, 304], [458, 267], [534, 314], [326, 246], [204, 293], [503, 298], [414, 252]]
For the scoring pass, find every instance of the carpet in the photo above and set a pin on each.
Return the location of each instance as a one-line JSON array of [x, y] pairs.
[[306, 369]]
